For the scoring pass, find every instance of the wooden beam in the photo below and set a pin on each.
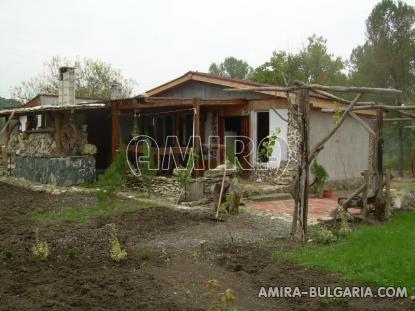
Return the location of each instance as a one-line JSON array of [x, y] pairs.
[[197, 146], [362, 123], [115, 125], [57, 123], [397, 119], [379, 197]]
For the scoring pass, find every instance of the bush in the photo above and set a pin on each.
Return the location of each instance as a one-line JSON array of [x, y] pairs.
[[40, 250], [320, 177], [110, 183], [323, 235], [117, 254]]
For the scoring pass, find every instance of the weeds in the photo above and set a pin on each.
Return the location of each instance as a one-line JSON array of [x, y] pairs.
[[72, 252], [7, 253], [144, 256]]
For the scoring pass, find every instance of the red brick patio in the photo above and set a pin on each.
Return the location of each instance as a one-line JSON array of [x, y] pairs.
[[318, 208]]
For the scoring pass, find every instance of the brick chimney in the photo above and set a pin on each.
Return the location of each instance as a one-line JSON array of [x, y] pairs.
[[116, 90], [66, 86]]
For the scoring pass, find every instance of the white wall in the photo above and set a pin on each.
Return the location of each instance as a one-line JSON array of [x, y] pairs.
[[346, 154]]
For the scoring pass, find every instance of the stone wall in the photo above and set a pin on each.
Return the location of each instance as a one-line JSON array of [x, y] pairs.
[[57, 171]]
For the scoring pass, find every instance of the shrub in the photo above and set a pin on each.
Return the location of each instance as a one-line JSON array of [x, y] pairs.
[[40, 249], [220, 301], [72, 252], [323, 235], [110, 183], [320, 177], [7, 253], [117, 254]]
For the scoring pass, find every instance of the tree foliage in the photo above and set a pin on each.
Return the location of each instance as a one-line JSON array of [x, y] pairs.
[[93, 79], [312, 64], [233, 68], [387, 58]]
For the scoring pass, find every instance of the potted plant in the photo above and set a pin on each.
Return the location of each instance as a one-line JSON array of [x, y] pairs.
[[320, 179]]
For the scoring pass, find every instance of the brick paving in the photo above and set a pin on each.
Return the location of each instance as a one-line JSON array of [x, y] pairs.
[[318, 208]]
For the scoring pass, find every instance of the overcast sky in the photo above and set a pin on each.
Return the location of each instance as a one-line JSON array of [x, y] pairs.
[[153, 41]]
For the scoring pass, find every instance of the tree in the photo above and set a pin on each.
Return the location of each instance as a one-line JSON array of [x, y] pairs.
[[387, 59], [8, 103], [312, 64], [233, 68], [93, 79]]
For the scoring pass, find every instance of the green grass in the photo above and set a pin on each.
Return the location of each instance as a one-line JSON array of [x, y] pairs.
[[380, 255], [84, 215]]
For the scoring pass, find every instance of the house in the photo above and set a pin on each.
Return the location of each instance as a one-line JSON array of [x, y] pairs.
[[83, 135]]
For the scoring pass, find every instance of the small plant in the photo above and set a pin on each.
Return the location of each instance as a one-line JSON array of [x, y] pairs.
[[337, 115], [267, 146], [197, 256], [320, 177], [148, 168], [40, 249], [72, 252], [220, 301], [117, 254], [185, 172], [324, 235], [7, 253], [144, 256], [110, 183], [225, 207]]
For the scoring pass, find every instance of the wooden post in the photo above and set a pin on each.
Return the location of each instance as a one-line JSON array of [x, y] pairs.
[[57, 122], [303, 180], [197, 146], [365, 193], [6, 141], [400, 158], [388, 198], [379, 197], [115, 141]]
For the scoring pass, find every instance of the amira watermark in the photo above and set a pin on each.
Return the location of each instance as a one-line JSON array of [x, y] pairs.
[[245, 154], [332, 292]]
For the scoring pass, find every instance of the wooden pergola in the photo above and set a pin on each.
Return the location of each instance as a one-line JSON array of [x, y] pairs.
[[224, 107], [301, 109]]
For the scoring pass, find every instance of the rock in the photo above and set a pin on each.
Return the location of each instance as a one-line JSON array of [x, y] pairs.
[[259, 180], [89, 149]]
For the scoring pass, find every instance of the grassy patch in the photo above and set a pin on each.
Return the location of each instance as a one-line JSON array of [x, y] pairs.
[[381, 255], [86, 214]]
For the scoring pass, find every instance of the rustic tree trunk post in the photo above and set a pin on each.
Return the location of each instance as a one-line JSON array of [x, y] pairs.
[[400, 160], [197, 139], [115, 139], [303, 178], [57, 122], [6, 141], [388, 198], [365, 193], [379, 198]]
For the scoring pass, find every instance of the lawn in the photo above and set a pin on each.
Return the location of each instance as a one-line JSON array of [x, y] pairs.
[[380, 255]]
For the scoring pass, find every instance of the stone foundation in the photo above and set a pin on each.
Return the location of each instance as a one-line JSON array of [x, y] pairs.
[[57, 171]]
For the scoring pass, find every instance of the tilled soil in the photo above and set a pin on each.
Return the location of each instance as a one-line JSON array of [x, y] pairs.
[[186, 248]]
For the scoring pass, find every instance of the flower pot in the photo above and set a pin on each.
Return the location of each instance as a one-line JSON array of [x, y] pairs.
[[328, 193]]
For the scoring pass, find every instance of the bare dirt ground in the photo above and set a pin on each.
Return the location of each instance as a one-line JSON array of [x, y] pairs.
[[187, 248]]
